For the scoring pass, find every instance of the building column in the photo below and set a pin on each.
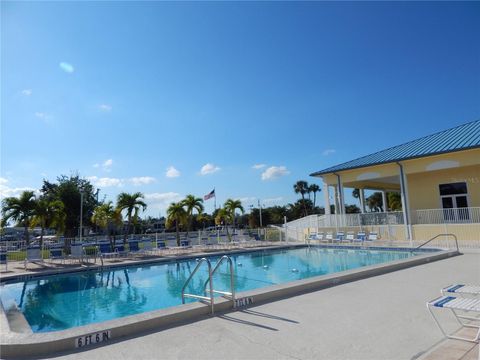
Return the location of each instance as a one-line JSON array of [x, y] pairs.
[[405, 204], [341, 202], [326, 197], [384, 200], [362, 200]]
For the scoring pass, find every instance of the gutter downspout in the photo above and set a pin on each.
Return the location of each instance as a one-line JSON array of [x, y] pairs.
[[405, 204]]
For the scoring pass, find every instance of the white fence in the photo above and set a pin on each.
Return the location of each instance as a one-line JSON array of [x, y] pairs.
[[425, 224]]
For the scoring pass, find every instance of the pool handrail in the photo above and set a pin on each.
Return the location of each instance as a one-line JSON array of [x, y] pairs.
[[436, 236], [199, 297], [230, 295]]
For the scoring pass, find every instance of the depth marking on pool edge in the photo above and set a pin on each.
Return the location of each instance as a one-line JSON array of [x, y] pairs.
[[242, 302], [92, 339]]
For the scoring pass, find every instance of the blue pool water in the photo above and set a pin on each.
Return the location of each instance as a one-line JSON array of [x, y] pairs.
[[64, 301]]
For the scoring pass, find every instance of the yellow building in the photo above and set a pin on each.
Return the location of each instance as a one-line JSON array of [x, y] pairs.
[[438, 177]]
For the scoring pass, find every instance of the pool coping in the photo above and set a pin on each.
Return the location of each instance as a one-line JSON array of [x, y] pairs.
[[16, 344]]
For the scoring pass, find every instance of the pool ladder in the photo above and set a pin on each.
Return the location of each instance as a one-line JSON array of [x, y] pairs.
[[209, 293]]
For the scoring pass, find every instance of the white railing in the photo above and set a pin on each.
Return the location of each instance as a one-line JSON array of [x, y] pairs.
[[468, 215]]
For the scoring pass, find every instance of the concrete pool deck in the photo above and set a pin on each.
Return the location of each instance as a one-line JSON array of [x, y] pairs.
[[382, 317]]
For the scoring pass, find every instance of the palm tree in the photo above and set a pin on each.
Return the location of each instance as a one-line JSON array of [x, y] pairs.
[[176, 213], [192, 203], [314, 188], [105, 216], [232, 205], [49, 213], [21, 210], [300, 187], [224, 216], [132, 203]]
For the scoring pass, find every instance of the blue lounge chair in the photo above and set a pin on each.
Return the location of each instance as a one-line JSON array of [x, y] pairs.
[[361, 236], [56, 253], [340, 236], [4, 259], [105, 250], [133, 247]]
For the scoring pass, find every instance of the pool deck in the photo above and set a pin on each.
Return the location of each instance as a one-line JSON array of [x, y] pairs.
[[382, 317]]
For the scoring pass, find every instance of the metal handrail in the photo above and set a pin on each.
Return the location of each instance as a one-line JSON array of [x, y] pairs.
[[232, 281], [436, 236], [210, 299]]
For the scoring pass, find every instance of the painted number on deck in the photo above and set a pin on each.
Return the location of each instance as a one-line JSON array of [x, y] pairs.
[[243, 302], [92, 339]]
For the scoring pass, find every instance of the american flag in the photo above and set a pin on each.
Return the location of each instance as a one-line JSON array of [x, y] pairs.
[[209, 195]]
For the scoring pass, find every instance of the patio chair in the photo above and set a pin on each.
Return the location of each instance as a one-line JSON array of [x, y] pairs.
[[372, 236], [105, 250], [133, 247], [77, 252], [329, 237], [461, 290], [4, 259], [120, 249], [350, 236], [361, 236], [454, 304], [312, 236], [56, 253], [34, 254], [340, 237]]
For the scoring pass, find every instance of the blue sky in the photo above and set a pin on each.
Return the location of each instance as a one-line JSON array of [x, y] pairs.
[[122, 92]]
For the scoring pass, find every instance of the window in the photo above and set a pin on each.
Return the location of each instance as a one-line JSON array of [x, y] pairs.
[[454, 202]]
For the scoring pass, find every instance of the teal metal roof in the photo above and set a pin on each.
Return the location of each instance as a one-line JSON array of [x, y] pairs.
[[466, 136]]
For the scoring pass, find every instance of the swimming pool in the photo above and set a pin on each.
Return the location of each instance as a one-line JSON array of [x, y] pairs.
[[60, 302]]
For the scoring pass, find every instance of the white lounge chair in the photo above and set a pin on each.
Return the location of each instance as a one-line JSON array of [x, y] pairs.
[[457, 304], [34, 254], [77, 252], [372, 236], [350, 236], [329, 237], [461, 289]]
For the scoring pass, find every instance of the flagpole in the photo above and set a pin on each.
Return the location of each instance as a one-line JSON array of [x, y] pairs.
[[215, 199]]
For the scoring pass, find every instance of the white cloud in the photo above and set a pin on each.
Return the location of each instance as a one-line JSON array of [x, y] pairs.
[[105, 181], [209, 169], [119, 182], [105, 107], [7, 191], [68, 68], [328, 152], [106, 165], [258, 166], [172, 172], [43, 116], [141, 180], [161, 201], [248, 200], [274, 172], [273, 200], [27, 92]]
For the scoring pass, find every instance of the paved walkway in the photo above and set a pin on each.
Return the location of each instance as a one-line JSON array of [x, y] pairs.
[[383, 317]]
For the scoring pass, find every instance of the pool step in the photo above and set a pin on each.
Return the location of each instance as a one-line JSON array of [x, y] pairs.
[[193, 296]]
